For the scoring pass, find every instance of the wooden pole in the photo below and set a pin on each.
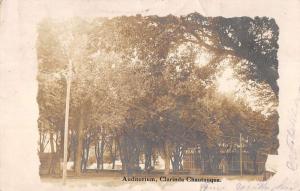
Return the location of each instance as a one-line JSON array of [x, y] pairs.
[[66, 132], [241, 155]]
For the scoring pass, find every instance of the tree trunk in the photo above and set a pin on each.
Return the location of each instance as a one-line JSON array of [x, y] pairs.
[[79, 144], [255, 169], [102, 153], [148, 156], [122, 153], [97, 154], [71, 146], [42, 142], [154, 159], [176, 158], [167, 157], [52, 164], [113, 153], [114, 156], [85, 154], [51, 142]]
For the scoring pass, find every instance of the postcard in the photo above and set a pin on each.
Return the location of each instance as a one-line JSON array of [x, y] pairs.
[[150, 95]]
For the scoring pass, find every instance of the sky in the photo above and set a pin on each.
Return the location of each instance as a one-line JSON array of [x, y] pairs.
[[255, 94]]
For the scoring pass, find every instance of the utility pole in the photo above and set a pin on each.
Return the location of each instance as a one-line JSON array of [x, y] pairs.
[[241, 155], [66, 130]]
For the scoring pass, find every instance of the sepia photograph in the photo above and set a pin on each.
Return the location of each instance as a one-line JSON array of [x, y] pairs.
[[157, 98]]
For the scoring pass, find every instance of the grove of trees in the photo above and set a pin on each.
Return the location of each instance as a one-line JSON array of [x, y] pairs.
[[146, 86]]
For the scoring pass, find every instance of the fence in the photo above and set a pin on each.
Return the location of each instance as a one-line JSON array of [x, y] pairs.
[[224, 164]]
